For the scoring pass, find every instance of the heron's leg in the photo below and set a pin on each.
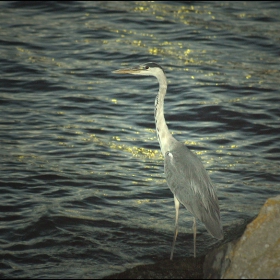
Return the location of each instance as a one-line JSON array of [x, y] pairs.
[[177, 205], [194, 236]]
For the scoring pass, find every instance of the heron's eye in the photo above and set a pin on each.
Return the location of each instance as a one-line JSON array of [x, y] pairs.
[[147, 67]]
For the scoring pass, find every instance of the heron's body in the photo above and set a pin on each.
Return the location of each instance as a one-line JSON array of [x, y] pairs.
[[184, 171], [182, 167]]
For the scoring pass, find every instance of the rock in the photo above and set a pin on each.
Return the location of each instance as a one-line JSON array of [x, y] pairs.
[[256, 254], [183, 268], [217, 261]]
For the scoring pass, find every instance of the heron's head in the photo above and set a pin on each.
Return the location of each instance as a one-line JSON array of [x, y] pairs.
[[147, 69]]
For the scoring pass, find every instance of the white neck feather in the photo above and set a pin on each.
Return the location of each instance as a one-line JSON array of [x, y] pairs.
[[164, 136]]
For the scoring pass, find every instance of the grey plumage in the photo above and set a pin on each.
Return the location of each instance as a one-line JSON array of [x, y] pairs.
[[183, 168], [184, 171]]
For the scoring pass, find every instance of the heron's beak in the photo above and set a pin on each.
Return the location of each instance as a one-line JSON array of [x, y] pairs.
[[127, 71]]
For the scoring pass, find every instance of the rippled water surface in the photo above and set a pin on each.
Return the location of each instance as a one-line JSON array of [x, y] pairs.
[[83, 192]]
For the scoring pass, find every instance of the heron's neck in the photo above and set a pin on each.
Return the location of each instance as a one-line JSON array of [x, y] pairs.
[[165, 138]]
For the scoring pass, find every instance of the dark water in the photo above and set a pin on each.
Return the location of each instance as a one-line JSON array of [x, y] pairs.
[[83, 192]]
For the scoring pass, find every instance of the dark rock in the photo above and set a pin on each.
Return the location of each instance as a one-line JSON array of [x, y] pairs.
[[185, 268], [217, 261]]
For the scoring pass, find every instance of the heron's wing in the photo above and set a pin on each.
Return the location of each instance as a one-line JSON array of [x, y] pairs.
[[190, 183]]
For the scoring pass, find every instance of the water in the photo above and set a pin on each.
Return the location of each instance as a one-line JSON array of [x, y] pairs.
[[83, 192]]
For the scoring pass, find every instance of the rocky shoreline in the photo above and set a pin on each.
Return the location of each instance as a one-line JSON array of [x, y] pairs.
[[255, 253]]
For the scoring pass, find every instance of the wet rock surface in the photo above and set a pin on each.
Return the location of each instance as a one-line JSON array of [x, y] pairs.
[[185, 268]]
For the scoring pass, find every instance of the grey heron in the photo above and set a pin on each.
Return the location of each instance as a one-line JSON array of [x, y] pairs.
[[184, 171]]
